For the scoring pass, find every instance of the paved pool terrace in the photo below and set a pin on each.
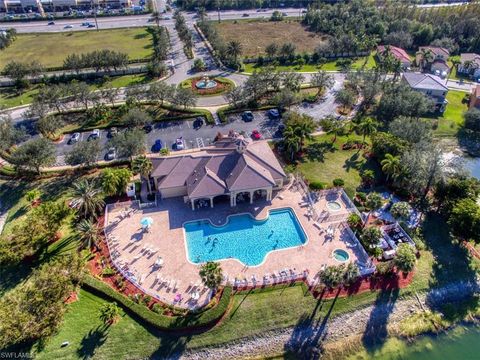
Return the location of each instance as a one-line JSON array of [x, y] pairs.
[[136, 252]]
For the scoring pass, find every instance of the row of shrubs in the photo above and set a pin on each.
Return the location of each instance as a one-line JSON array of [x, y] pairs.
[[205, 317], [319, 185]]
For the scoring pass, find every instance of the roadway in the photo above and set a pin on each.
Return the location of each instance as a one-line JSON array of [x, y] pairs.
[[143, 20]]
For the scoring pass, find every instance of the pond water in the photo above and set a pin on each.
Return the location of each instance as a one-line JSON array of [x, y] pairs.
[[461, 343], [472, 164]]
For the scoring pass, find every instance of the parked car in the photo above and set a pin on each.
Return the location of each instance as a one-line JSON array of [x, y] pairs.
[[148, 128], [94, 135], [90, 26], [111, 154], [246, 15], [51, 23], [179, 145], [157, 146], [112, 132], [68, 26], [273, 113], [247, 116], [74, 138], [256, 135], [280, 129], [198, 123]]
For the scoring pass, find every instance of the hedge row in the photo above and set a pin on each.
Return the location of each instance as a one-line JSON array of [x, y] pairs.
[[192, 320]]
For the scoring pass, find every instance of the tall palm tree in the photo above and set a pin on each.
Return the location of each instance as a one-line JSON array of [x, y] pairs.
[[367, 127], [292, 142], [211, 274], [391, 166], [89, 234], [144, 167], [426, 58], [109, 313], [234, 49], [156, 17], [336, 130], [87, 198]]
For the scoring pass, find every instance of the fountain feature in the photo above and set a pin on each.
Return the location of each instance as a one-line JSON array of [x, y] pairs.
[[206, 83]]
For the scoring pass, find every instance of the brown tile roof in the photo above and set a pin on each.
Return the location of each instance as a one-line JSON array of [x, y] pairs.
[[396, 52], [437, 51], [221, 169]]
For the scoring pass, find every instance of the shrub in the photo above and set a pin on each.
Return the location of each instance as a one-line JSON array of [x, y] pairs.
[[158, 308], [385, 268], [361, 196], [405, 258], [317, 185], [354, 221], [338, 182], [400, 210], [108, 271]]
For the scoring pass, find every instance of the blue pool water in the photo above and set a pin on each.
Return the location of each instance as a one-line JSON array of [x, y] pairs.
[[243, 237]]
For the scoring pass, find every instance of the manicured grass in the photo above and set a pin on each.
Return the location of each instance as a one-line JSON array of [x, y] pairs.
[[255, 35], [9, 97], [452, 119], [50, 49], [324, 161], [328, 66]]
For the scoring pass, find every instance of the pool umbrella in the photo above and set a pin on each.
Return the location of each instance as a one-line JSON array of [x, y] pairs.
[[146, 221]]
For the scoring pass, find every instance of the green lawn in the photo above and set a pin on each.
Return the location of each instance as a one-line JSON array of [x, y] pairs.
[[324, 162], [50, 49], [9, 97], [329, 66], [452, 119]]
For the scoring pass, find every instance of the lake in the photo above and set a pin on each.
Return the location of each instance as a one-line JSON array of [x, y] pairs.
[[461, 343]]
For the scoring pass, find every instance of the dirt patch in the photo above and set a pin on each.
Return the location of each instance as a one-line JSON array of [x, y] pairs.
[[256, 35]]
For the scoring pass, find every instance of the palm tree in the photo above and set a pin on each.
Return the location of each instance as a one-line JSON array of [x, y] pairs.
[[234, 49], [109, 313], [89, 234], [144, 167], [292, 142], [391, 166], [367, 126], [322, 80], [211, 274], [350, 274], [426, 58], [156, 17], [336, 130], [87, 198]]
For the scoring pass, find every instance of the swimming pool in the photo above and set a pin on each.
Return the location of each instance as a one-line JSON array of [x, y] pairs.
[[243, 238]]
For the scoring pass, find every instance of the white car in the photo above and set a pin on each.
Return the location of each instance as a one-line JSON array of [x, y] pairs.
[[111, 154], [94, 135], [68, 27], [179, 145], [75, 138]]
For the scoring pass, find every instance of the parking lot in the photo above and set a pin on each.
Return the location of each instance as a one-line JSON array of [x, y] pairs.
[[192, 136]]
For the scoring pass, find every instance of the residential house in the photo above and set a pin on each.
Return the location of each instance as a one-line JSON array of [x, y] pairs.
[[433, 59], [430, 85], [469, 65], [475, 98], [398, 53], [235, 169]]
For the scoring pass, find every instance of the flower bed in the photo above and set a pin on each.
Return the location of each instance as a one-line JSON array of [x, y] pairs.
[[223, 85]]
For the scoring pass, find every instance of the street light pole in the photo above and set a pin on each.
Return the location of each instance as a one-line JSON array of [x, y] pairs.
[[94, 14]]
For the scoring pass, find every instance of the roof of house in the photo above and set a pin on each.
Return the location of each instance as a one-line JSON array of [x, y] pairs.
[[470, 57], [439, 64], [437, 51], [476, 91], [233, 164], [396, 52], [424, 81]]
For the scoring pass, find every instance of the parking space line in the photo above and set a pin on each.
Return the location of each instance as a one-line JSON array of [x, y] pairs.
[[200, 143]]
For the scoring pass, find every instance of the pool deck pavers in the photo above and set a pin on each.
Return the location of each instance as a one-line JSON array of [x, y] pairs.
[[166, 238]]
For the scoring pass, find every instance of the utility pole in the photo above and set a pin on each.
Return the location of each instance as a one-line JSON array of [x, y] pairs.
[[95, 13]]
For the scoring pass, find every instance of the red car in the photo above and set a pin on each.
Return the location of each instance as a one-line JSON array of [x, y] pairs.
[[256, 135]]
